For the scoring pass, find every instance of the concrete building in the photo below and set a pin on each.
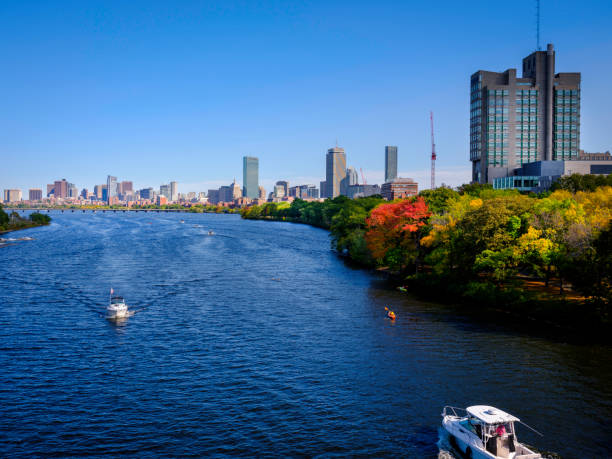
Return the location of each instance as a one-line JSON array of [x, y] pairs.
[[111, 188], [173, 192], [390, 163], [73, 192], [12, 195], [540, 175], [98, 191], [514, 121], [279, 191], [50, 189], [285, 185], [230, 193], [304, 192], [584, 156], [361, 191], [60, 188], [250, 177], [351, 178], [399, 188], [335, 171], [262, 193], [213, 196], [164, 190], [35, 194], [323, 188], [125, 187]]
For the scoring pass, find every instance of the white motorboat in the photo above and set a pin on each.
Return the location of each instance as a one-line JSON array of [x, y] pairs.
[[485, 432], [117, 309]]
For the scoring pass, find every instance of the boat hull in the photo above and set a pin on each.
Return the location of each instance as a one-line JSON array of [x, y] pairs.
[[117, 312]]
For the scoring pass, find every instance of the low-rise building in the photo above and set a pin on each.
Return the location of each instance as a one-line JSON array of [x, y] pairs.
[[399, 188], [361, 191], [540, 175]]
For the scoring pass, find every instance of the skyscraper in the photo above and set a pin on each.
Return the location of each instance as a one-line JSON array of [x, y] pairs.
[[173, 192], [521, 120], [250, 177], [35, 194], [390, 163], [111, 188], [60, 188], [335, 171]]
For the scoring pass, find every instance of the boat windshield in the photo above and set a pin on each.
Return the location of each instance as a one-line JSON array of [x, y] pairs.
[[499, 430], [116, 299]]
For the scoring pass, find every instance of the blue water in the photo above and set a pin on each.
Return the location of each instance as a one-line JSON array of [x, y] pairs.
[[256, 341]]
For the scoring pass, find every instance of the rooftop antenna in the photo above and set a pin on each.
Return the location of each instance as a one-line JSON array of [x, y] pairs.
[[538, 25]]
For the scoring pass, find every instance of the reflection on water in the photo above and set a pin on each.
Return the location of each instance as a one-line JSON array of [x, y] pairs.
[[257, 342]]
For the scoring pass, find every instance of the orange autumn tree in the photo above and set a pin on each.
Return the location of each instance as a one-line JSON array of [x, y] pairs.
[[392, 232]]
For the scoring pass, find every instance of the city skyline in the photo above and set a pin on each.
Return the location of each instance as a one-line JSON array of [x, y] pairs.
[[106, 106]]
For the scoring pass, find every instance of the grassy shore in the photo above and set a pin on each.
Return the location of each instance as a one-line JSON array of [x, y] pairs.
[[14, 222]]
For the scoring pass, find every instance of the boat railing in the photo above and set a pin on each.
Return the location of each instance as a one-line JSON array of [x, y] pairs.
[[454, 411]]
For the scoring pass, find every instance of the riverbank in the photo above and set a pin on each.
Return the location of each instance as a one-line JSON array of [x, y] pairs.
[[14, 222], [541, 263]]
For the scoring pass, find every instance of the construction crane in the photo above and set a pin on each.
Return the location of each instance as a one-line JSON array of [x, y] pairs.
[[363, 176], [433, 154]]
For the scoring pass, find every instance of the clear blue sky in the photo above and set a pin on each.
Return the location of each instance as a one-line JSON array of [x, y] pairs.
[[153, 91]]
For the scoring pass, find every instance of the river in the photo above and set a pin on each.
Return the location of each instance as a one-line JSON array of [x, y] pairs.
[[255, 341]]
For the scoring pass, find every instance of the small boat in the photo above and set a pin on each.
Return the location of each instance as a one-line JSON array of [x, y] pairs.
[[485, 432], [117, 309], [182, 221], [390, 313], [211, 233], [402, 289]]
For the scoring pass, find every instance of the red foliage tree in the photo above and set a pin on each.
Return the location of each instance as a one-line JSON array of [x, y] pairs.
[[391, 231]]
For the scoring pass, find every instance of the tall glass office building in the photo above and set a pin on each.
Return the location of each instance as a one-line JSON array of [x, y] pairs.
[[390, 163], [514, 121], [250, 177], [111, 187]]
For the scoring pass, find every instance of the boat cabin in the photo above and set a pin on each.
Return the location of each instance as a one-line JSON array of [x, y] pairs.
[[117, 299], [494, 427]]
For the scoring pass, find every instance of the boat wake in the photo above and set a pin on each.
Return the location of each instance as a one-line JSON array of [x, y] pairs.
[[445, 449]]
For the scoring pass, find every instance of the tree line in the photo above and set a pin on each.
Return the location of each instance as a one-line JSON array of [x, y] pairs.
[[13, 221], [475, 242]]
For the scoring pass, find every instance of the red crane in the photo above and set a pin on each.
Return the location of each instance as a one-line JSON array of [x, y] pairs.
[[363, 176], [433, 154]]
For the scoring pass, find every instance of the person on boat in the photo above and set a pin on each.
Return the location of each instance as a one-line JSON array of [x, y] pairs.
[[501, 430]]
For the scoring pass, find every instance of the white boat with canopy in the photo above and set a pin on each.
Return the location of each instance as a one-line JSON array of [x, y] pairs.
[[117, 309], [482, 431]]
